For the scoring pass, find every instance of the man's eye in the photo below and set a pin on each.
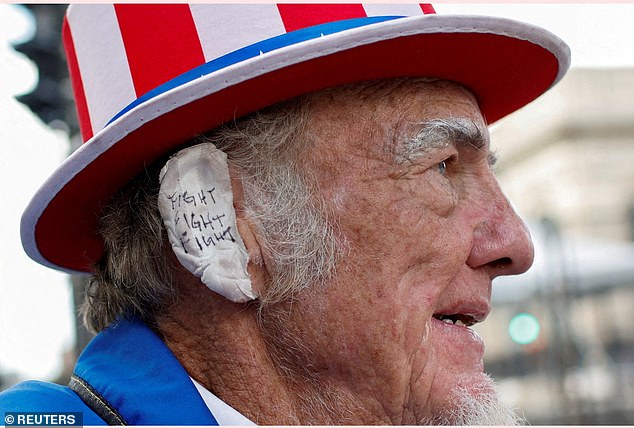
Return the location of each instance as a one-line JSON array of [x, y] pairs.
[[442, 167]]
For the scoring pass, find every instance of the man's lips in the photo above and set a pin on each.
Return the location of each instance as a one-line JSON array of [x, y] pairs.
[[464, 314], [459, 345], [464, 320], [451, 327]]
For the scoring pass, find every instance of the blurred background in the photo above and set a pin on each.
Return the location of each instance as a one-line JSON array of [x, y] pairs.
[[560, 340]]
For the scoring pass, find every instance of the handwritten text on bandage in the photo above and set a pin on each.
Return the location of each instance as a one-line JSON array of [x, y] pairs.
[[204, 228]]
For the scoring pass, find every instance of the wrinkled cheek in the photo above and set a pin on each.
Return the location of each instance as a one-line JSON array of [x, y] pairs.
[[428, 210], [439, 244], [424, 370], [423, 349], [434, 193], [441, 198]]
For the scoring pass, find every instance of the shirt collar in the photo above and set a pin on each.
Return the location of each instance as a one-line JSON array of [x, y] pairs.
[[223, 413]]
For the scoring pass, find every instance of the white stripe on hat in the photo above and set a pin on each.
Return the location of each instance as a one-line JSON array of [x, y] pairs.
[[104, 71], [381, 9], [255, 22]]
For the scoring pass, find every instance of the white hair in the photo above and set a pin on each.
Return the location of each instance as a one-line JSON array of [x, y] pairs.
[[281, 199], [476, 405]]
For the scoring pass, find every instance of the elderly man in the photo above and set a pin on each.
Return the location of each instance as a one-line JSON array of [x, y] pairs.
[[293, 223]]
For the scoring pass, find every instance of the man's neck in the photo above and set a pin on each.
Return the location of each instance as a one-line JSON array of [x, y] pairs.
[[222, 346], [219, 345]]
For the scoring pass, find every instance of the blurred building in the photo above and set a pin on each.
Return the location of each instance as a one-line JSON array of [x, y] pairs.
[[567, 164]]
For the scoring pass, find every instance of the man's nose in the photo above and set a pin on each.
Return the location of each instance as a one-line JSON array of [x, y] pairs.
[[501, 242]]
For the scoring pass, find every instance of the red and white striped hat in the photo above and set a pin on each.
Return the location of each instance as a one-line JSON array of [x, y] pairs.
[[147, 78]]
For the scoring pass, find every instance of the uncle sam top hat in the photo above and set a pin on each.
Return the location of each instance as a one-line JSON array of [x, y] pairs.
[[148, 77]]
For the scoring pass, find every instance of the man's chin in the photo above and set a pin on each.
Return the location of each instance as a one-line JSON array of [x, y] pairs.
[[476, 405]]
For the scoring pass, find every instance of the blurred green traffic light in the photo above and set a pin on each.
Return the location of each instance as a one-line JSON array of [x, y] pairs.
[[524, 328]]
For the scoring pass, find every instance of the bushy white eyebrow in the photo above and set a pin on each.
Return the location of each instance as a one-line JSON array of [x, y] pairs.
[[440, 133]]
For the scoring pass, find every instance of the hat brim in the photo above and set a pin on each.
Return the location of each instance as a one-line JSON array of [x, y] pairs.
[[506, 64]]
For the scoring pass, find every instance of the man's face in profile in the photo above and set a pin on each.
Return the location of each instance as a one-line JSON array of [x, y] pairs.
[[406, 174]]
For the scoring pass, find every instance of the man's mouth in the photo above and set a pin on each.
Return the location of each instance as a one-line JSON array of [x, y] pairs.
[[453, 333], [463, 320], [451, 327]]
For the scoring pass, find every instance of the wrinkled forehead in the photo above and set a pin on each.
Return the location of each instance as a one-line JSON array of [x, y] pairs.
[[386, 116]]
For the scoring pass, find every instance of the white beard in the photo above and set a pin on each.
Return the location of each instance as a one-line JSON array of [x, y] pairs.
[[477, 406]]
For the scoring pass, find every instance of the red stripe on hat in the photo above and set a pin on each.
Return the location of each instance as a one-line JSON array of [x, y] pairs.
[[78, 86], [298, 16], [161, 42], [428, 9]]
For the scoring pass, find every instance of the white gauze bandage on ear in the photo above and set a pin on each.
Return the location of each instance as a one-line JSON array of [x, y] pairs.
[[196, 204]]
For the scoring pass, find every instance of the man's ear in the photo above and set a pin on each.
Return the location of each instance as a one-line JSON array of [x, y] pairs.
[[196, 205], [248, 232]]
